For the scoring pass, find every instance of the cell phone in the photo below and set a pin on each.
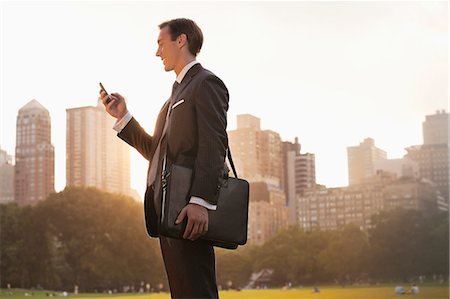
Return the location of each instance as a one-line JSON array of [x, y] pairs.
[[109, 99]]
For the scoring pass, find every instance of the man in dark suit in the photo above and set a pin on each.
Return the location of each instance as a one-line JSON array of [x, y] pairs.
[[192, 129]]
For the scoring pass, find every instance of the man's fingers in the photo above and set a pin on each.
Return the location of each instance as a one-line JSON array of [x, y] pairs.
[[197, 224], [117, 96], [181, 216], [102, 97], [109, 106], [205, 228], [195, 231], [188, 229]]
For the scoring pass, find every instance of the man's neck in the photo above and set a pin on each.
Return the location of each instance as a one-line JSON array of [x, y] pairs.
[[182, 64], [185, 70]]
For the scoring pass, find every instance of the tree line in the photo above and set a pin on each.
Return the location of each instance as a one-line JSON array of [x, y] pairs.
[[97, 241], [402, 246]]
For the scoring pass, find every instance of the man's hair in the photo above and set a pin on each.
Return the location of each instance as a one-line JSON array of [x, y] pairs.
[[193, 33]]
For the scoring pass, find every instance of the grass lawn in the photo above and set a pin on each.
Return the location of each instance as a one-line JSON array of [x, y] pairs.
[[383, 292]]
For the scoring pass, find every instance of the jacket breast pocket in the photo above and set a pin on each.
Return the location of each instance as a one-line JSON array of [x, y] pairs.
[[178, 103], [182, 118]]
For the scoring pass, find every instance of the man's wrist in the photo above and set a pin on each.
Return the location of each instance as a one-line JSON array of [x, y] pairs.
[[119, 117], [201, 202], [122, 122]]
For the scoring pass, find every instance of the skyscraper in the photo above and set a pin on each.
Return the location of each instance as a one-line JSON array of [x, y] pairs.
[[94, 155], [6, 177], [436, 128], [299, 175], [433, 156], [257, 153], [35, 155], [361, 160]]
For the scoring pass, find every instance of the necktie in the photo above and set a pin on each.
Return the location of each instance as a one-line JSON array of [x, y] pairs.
[[155, 159]]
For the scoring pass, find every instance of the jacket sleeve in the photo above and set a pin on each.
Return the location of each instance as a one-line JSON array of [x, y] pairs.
[[135, 135], [211, 106]]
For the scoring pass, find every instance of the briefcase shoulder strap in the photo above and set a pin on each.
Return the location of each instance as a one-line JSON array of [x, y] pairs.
[[230, 159]]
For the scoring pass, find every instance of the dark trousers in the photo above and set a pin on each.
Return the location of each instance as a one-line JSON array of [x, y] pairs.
[[190, 267]]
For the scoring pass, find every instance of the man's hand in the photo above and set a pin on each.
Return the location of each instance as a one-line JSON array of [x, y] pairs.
[[197, 224], [117, 107]]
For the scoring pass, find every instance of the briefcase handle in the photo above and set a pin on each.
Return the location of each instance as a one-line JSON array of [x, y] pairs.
[[230, 159]]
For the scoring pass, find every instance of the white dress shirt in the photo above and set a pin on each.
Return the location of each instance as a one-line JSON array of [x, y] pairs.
[[120, 124]]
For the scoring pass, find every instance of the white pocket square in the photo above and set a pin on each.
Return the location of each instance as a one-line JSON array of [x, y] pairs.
[[177, 103]]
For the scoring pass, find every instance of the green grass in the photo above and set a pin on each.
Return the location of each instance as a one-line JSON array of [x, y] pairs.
[[382, 292]]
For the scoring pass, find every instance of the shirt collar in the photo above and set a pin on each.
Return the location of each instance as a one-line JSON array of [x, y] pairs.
[[185, 70]]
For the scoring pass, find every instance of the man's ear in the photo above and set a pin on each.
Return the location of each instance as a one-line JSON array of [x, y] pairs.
[[182, 40]]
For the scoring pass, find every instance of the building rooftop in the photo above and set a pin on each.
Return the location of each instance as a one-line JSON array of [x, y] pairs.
[[33, 104]]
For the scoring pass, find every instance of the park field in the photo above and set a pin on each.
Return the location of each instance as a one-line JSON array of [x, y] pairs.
[[383, 292]]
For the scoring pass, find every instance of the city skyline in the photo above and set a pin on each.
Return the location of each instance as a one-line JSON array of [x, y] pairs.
[[381, 163], [335, 86]]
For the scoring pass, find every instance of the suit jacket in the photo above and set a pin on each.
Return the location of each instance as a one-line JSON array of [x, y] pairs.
[[196, 136]]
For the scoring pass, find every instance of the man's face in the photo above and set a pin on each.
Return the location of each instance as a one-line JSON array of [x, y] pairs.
[[167, 49]]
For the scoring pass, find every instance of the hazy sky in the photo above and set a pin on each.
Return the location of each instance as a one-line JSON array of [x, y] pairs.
[[331, 73]]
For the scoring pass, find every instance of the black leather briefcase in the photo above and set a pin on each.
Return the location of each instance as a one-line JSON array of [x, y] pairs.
[[227, 224]]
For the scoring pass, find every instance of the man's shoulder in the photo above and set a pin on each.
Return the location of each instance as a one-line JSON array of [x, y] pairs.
[[207, 75]]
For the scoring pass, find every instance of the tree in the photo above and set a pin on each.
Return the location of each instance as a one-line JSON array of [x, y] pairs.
[[294, 256], [102, 239], [436, 251], [344, 254], [11, 245], [80, 236], [397, 245], [234, 266]]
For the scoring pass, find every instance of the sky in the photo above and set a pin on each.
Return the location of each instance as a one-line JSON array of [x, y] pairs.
[[329, 73]]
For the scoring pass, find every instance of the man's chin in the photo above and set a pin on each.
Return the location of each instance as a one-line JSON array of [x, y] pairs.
[[168, 68]]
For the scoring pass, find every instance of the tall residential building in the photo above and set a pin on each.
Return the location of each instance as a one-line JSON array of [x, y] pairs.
[[257, 153], [433, 157], [94, 155], [290, 151], [433, 161], [258, 157], [299, 175], [361, 160], [35, 155], [436, 128], [331, 208], [6, 177]]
